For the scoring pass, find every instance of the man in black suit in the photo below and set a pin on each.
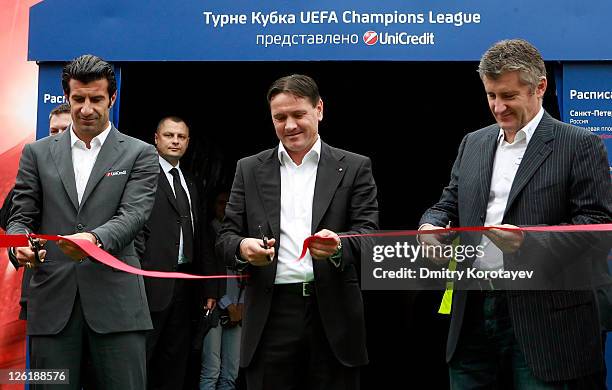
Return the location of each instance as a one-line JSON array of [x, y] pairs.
[[303, 325], [93, 183], [171, 242], [527, 169]]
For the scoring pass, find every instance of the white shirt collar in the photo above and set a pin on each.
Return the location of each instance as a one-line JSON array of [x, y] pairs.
[[100, 138], [314, 152], [166, 166], [527, 131]]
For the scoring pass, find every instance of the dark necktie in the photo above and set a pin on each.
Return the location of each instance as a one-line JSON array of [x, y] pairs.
[[182, 201]]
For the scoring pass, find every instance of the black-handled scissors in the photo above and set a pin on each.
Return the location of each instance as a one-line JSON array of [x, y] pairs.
[[35, 246], [265, 241]]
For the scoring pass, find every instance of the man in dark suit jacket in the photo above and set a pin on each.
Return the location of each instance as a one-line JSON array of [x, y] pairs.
[[528, 169], [91, 183], [171, 242], [303, 325]]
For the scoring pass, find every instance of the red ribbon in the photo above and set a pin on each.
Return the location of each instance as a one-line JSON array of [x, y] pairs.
[[16, 240], [606, 227]]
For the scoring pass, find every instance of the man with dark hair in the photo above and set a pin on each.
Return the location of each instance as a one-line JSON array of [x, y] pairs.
[[59, 119], [172, 241], [91, 183], [527, 169], [303, 325]]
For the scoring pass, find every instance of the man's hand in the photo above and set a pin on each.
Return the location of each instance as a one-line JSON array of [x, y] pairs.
[[73, 251], [508, 242], [25, 254], [210, 303], [433, 244], [252, 250], [235, 312], [322, 249]]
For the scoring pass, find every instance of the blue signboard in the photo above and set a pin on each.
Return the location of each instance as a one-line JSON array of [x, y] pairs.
[[587, 99], [245, 30]]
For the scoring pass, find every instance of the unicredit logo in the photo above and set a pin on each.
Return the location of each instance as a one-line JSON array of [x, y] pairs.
[[370, 38]]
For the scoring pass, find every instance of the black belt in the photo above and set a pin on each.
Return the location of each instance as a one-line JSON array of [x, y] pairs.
[[304, 289]]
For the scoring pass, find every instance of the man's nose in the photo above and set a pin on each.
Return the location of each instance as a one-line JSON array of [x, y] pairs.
[[290, 124], [86, 110], [499, 106]]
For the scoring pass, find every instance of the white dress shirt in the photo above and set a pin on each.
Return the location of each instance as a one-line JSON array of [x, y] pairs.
[[166, 167], [297, 193], [83, 159], [508, 157]]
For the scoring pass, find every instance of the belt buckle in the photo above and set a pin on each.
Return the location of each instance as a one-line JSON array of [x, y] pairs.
[[305, 292]]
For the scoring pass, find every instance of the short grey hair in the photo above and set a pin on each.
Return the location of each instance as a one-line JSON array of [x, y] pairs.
[[513, 55]]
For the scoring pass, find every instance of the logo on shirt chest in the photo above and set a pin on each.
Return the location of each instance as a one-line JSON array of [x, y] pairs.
[[115, 173]]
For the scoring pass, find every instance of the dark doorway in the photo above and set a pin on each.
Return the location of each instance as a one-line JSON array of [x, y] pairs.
[[408, 117]]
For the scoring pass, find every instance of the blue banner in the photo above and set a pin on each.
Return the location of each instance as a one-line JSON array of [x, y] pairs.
[[587, 99], [245, 30], [50, 95]]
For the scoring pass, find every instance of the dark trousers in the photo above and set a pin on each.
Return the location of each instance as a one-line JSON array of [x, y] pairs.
[[169, 343], [118, 359], [293, 353], [488, 355]]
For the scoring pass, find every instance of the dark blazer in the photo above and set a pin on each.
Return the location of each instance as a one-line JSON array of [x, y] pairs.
[[563, 179], [115, 205], [161, 235], [344, 202]]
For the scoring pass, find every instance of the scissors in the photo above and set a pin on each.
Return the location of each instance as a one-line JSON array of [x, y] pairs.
[[265, 242], [36, 247]]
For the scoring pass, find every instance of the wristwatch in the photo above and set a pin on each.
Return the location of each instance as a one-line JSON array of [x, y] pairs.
[[98, 242], [240, 263]]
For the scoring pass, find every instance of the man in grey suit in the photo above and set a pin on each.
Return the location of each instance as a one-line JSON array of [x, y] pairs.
[[528, 169], [96, 184]]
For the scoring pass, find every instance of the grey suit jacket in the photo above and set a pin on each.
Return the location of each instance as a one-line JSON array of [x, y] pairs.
[[115, 205], [563, 179]]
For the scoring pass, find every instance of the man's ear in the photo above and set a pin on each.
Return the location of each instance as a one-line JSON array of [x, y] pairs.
[[541, 88], [112, 100], [319, 109]]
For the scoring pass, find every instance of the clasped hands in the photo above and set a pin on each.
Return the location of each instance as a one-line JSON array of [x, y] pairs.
[[26, 257], [253, 250], [507, 241]]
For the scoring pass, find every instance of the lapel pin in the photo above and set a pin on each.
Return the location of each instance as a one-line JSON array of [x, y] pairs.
[[339, 169]]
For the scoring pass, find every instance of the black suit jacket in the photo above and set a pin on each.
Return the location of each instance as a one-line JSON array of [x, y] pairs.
[[160, 241], [563, 179], [344, 202]]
